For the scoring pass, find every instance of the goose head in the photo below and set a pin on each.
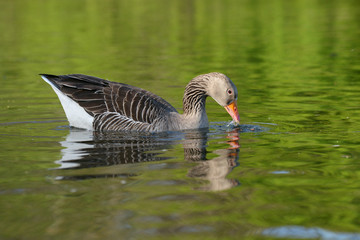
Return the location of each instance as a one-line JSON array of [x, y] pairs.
[[224, 92]]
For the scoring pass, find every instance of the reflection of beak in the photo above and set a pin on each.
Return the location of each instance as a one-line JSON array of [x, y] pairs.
[[233, 141], [232, 110]]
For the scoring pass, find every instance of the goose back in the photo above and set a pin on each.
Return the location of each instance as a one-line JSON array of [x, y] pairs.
[[114, 106]]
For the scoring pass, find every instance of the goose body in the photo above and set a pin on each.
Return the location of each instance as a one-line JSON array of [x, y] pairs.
[[96, 104]]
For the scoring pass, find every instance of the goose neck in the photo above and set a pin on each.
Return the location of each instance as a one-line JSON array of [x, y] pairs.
[[194, 98]]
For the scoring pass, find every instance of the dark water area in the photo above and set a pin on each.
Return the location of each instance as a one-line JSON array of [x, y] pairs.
[[289, 171]]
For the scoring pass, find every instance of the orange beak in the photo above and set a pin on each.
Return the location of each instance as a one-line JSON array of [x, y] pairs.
[[232, 110]]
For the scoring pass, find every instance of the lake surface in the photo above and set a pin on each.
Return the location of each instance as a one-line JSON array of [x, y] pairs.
[[291, 171]]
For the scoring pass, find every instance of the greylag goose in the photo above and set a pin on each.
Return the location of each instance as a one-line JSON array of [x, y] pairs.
[[100, 105]]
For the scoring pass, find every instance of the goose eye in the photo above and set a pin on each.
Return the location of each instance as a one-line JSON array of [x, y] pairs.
[[229, 91]]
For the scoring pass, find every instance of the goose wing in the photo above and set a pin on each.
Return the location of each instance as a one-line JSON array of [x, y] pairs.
[[115, 104]]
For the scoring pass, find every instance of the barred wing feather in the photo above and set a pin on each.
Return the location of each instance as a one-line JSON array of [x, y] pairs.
[[114, 106]]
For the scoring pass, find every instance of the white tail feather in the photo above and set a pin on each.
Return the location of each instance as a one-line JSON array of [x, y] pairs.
[[75, 114]]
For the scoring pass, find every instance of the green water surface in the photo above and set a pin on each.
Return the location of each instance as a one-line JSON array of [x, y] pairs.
[[291, 172]]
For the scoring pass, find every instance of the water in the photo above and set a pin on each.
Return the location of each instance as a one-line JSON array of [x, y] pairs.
[[290, 171]]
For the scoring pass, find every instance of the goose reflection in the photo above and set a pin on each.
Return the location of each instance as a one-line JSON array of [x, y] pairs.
[[214, 170], [86, 149]]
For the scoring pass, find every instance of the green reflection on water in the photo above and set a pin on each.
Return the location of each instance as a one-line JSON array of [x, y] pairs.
[[296, 65]]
